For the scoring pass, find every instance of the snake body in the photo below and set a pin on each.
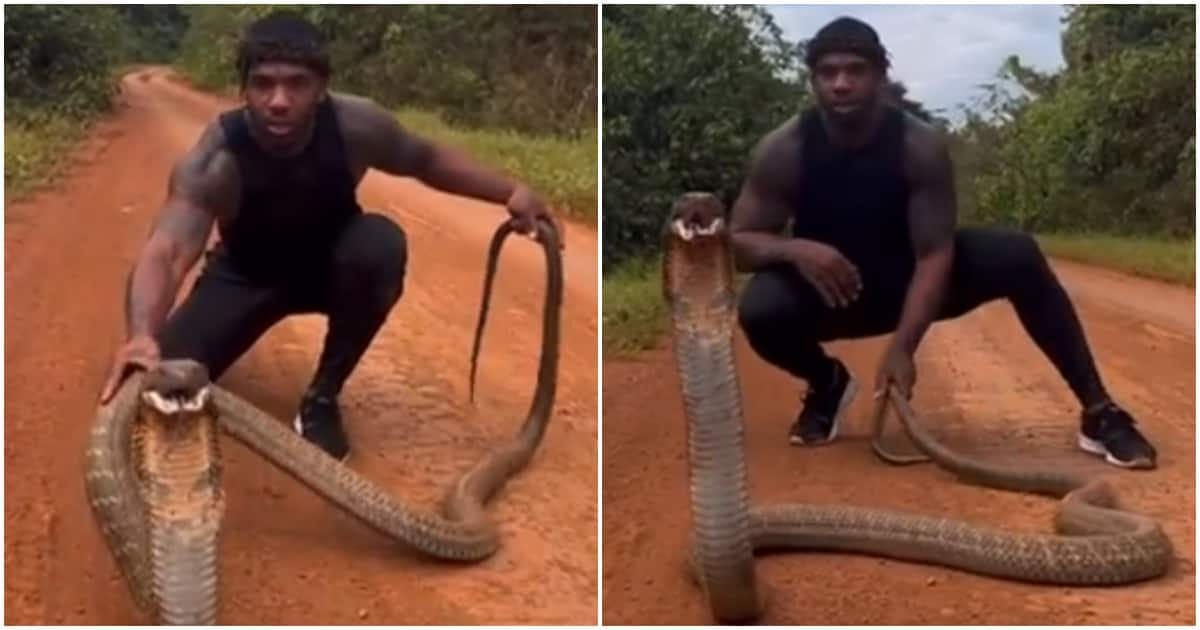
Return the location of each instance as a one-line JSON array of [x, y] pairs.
[[154, 485], [1096, 543]]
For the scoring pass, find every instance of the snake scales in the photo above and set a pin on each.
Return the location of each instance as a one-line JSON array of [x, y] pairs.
[[153, 470], [1097, 542]]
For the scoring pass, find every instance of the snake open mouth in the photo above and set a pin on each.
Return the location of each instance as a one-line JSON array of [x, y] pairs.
[[689, 231], [697, 215], [176, 400]]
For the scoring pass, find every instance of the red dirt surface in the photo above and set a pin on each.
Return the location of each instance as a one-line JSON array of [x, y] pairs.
[[984, 388], [289, 557]]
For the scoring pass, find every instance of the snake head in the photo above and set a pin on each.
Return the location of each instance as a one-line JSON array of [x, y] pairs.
[[696, 216], [697, 263], [176, 386]]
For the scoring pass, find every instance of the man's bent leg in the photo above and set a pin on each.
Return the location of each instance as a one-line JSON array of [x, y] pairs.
[[365, 281], [995, 263], [783, 318], [220, 319]]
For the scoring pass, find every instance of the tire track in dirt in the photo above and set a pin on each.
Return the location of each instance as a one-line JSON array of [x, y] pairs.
[[288, 557], [985, 388]]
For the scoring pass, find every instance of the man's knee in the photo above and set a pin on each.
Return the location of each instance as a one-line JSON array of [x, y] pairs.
[[764, 303], [1012, 253], [374, 246]]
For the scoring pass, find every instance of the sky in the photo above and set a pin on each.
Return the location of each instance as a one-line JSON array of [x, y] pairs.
[[942, 52]]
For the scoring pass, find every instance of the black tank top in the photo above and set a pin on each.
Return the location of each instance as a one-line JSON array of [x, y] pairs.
[[856, 199], [292, 208]]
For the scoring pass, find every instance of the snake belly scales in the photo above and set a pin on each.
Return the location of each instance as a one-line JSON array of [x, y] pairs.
[[153, 470], [1096, 542]]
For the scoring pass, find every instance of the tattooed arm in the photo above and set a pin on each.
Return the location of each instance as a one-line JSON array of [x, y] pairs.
[[198, 190], [201, 187]]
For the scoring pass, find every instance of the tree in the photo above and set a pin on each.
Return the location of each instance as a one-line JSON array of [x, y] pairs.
[[688, 91]]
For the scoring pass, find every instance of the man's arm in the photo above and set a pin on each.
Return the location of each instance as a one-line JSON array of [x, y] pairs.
[[933, 212], [385, 145], [177, 238], [762, 207]]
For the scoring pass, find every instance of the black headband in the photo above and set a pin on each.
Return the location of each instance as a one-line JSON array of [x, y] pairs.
[[847, 35]]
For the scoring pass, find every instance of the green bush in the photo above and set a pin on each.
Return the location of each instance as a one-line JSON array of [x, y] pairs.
[[561, 169], [688, 91]]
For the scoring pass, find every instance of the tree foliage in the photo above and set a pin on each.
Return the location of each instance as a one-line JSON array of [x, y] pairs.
[[527, 68], [58, 59], [688, 91], [1107, 144]]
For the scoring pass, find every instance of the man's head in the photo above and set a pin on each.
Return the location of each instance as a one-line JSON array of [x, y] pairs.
[[847, 68], [284, 70]]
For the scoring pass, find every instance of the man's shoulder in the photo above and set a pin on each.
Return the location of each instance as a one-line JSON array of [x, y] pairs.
[[785, 135], [926, 151], [210, 164], [358, 117], [922, 140], [779, 149]]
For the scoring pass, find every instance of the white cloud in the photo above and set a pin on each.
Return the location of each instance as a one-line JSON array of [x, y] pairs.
[[942, 52]]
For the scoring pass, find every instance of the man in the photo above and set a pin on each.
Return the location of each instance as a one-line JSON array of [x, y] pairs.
[[875, 249], [278, 178]]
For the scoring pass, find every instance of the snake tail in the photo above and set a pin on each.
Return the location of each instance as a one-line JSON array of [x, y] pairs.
[[486, 478]]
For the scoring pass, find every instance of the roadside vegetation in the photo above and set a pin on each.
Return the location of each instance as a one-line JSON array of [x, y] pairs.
[[1097, 160]]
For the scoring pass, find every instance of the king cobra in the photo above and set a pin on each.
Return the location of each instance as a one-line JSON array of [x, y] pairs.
[[1096, 542], [153, 471]]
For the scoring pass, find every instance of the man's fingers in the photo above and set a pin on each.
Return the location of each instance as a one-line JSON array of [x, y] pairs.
[[110, 385], [827, 286], [851, 282], [826, 290], [840, 292]]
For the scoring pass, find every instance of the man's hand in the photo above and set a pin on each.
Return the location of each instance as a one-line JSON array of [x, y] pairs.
[[833, 275], [526, 208], [897, 369], [139, 352]]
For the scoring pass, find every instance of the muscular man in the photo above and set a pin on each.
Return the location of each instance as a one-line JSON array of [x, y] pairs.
[[875, 248], [278, 178]]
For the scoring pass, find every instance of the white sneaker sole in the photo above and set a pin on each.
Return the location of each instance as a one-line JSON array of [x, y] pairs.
[[297, 429], [847, 398], [1094, 447]]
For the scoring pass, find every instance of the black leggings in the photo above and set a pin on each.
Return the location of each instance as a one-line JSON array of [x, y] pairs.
[[784, 317], [226, 313]]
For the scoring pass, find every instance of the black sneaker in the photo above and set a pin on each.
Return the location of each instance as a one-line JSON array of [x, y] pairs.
[[1110, 432], [818, 420], [320, 422]]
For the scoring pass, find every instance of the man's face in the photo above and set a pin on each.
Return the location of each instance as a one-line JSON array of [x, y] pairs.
[[846, 86], [282, 99]]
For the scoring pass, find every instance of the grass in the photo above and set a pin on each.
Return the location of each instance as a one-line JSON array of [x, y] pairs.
[[1172, 260], [36, 147], [563, 171], [635, 315], [634, 311]]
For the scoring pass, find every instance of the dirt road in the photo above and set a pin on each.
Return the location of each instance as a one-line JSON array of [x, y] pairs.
[[984, 388], [288, 556]]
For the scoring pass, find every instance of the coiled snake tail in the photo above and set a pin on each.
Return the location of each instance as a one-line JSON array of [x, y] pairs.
[[1097, 542], [482, 480]]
